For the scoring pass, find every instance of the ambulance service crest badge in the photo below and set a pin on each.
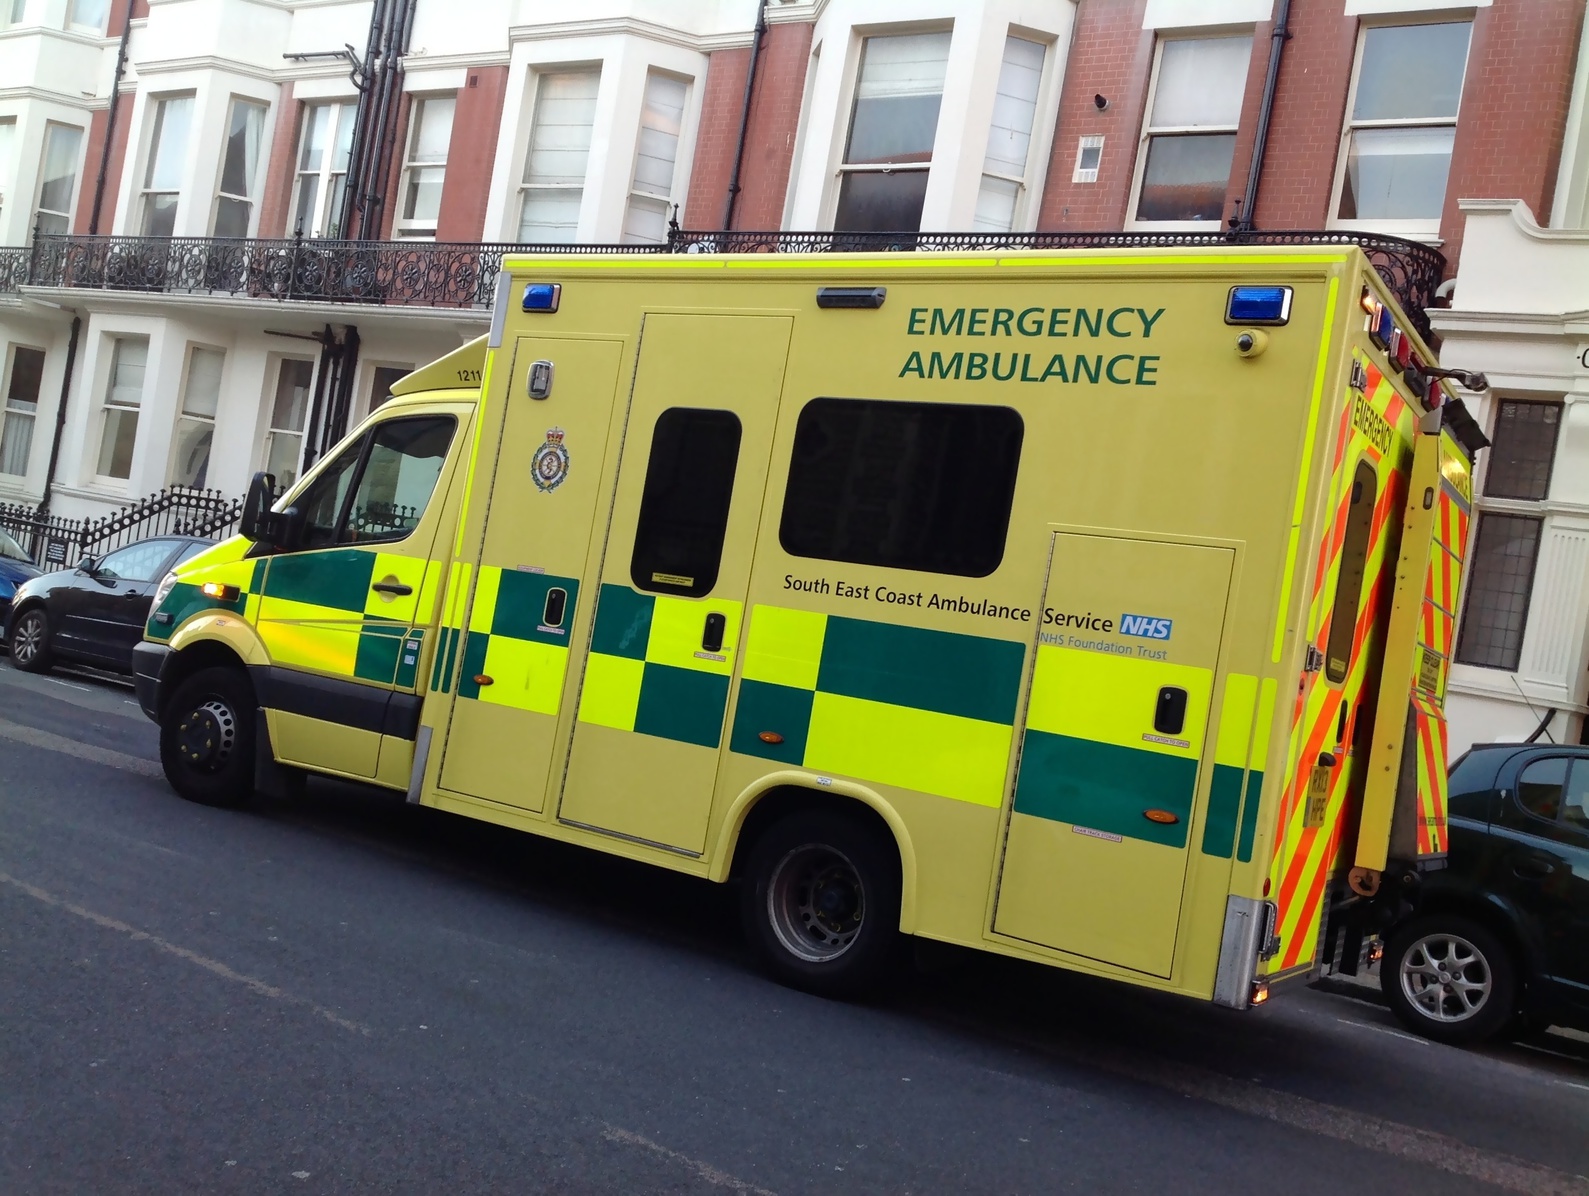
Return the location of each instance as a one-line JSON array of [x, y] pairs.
[[549, 466]]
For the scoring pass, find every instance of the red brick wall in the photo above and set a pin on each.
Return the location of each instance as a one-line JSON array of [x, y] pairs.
[[1514, 108], [120, 15], [92, 153], [386, 214], [724, 92], [1110, 55], [1309, 108], [275, 199], [471, 154]]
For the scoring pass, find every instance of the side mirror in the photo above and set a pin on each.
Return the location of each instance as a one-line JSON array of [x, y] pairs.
[[258, 521], [88, 565], [289, 527]]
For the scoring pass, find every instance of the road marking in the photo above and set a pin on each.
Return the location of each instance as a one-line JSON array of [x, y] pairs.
[[68, 684], [1346, 1021], [213, 966], [51, 742], [704, 1171], [1394, 1138]]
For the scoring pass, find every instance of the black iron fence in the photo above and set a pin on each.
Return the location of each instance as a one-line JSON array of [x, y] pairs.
[[53, 541], [463, 275]]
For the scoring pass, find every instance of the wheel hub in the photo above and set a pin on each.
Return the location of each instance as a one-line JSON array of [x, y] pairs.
[[29, 636], [206, 736], [1446, 978], [816, 903]]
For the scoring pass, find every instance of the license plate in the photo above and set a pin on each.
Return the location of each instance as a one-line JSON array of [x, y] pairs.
[[1318, 797]]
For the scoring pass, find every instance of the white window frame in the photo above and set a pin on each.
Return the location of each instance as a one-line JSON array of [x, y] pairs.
[[6, 412], [157, 128], [9, 147], [83, 26], [184, 416], [326, 175], [1426, 230], [368, 387], [846, 114], [77, 175], [635, 194], [421, 230], [251, 198], [522, 194], [272, 431], [1028, 185], [114, 341], [1150, 131]]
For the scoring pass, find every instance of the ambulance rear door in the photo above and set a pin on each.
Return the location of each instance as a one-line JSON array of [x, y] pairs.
[[1115, 754]]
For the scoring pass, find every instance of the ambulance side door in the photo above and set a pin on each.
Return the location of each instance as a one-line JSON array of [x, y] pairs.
[[669, 614], [508, 656], [338, 606]]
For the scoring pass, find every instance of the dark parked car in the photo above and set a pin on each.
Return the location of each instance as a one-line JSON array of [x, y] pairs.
[[95, 613], [15, 568], [1500, 937]]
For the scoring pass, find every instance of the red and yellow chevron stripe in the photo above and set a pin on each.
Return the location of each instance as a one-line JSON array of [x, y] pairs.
[[1317, 805]]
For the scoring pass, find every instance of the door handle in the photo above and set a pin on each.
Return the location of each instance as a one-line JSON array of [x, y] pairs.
[[712, 636], [1532, 868], [395, 588]]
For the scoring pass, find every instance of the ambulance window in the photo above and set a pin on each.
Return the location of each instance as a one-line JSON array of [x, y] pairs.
[[1354, 563], [684, 508], [920, 486], [323, 501], [405, 459]]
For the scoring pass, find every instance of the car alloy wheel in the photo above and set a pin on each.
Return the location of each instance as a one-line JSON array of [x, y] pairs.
[[1446, 978], [27, 641]]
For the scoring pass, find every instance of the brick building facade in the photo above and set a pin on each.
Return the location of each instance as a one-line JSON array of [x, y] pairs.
[[169, 351]]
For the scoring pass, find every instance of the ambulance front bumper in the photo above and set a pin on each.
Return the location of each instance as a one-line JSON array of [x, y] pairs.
[[149, 663]]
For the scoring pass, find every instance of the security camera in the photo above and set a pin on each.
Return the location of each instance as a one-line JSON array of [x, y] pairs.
[[1100, 102]]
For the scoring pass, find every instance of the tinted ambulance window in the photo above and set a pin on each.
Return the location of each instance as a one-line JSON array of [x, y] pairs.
[[920, 486], [400, 472], [684, 508], [323, 502], [1354, 563]]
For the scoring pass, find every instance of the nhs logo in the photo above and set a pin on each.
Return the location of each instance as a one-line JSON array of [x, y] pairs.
[[1145, 626]]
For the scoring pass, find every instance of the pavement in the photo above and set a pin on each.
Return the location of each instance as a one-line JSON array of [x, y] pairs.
[[342, 993]]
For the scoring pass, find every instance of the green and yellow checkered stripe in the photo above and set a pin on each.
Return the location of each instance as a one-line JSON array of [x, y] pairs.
[[647, 672], [1085, 759], [506, 641], [931, 711], [187, 598]]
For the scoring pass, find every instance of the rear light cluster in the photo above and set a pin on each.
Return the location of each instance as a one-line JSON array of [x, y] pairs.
[[1399, 352]]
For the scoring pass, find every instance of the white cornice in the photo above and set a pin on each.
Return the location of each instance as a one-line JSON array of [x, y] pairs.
[[631, 27], [210, 62], [86, 103], [795, 12], [440, 62], [1524, 220], [89, 299]]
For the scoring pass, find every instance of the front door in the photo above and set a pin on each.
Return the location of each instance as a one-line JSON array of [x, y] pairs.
[[1542, 842], [669, 615], [1114, 748], [113, 604], [528, 607], [337, 612]]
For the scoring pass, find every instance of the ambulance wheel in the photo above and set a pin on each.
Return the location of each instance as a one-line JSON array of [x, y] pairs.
[[820, 901], [1449, 979], [207, 738]]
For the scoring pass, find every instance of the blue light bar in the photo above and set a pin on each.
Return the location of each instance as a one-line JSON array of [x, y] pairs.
[[1258, 305], [543, 296]]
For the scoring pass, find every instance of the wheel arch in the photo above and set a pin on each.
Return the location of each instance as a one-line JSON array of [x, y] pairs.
[[198, 653], [770, 798]]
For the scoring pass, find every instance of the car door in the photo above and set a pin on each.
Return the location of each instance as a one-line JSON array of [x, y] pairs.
[[112, 602], [337, 609], [1543, 867]]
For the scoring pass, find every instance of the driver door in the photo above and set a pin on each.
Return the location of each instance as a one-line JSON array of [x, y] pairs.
[[106, 615], [343, 611]]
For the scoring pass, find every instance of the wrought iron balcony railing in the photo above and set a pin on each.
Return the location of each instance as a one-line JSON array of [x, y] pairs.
[[463, 275]]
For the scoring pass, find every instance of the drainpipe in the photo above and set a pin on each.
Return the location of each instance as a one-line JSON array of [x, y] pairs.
[[1278, 37], [732, 200], [60, 415], [110, 123]]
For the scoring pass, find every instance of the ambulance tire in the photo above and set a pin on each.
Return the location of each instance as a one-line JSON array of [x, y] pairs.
[[207, 738], [820, 901]]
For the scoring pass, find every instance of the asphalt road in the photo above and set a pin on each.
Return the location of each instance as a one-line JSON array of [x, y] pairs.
[[342, 993]]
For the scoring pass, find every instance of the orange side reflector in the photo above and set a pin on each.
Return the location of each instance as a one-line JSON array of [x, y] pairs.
[[770, 737], [222, 593], [482, 679], [1163, 817], [1260, 992]]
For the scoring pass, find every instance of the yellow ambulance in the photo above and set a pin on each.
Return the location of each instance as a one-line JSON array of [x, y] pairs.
[[1088, 607]]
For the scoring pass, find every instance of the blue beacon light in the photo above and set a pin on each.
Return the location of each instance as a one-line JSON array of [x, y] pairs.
[[542, 296], [1258, 305]]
